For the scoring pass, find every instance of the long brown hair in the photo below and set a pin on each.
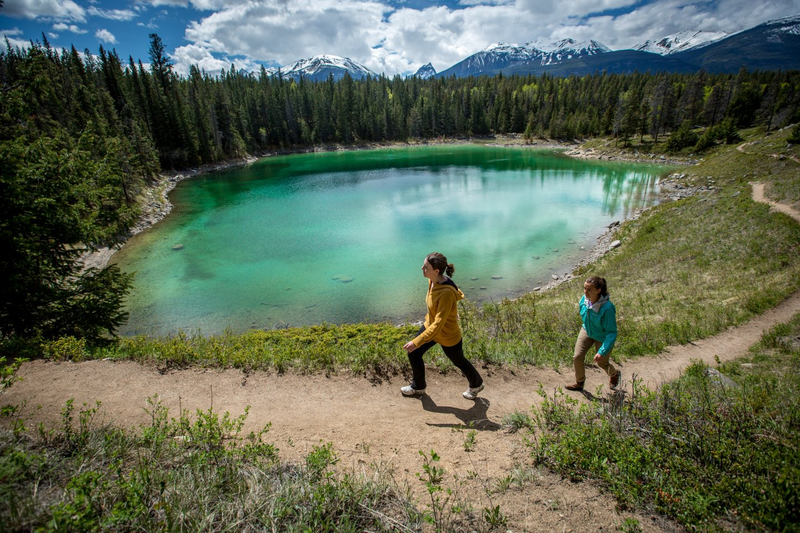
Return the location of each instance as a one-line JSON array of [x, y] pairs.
[[439, 262]]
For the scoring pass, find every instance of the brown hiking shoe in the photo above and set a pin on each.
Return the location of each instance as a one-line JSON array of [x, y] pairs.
[[613, 381], [575, 386]]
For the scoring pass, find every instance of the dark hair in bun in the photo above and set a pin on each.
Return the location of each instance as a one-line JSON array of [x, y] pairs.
[[439, 262]]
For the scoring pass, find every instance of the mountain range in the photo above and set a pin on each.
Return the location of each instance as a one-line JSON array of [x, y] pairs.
[[773, 45]]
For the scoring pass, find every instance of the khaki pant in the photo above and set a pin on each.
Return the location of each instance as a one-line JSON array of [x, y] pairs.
[[582, 347]]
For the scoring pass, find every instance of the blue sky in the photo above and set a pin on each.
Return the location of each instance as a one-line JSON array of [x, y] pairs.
[[387, 36]]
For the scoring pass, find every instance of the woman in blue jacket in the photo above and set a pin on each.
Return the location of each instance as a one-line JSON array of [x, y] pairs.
[[599, 329]]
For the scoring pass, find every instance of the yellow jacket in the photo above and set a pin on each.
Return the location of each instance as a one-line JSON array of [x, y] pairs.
[[441, 321]]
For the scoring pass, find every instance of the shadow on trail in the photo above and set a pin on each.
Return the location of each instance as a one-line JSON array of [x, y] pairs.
[[614, 397], [474, 417]]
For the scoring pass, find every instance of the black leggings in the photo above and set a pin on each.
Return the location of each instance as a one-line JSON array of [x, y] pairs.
[[454, 353]]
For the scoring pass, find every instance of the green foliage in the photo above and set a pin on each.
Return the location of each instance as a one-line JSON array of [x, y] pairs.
[[369, 348], [630, 525], [8, 372], [516, 421], [682, 138], [699, 450], [726, 131], [50, 201], [742, 109], [184, 474], [442, 499], [494, 517], [470, 441], [794, 138]]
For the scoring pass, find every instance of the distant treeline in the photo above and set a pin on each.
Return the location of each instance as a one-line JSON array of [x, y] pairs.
[[81, 134], [168, 121]]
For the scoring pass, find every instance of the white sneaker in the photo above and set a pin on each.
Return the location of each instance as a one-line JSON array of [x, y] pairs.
[[472, 392], [408, 390]]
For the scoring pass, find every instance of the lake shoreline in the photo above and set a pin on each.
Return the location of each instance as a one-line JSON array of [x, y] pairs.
[[157, 206]]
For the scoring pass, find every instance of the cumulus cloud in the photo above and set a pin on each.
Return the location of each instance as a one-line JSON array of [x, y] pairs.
[[210, 5], [185, 56], [665, 17], [156, 3], [60, 26], [398, 40], [52, 9], [284, 32], [11, 34], [105, 36], [112, 14]]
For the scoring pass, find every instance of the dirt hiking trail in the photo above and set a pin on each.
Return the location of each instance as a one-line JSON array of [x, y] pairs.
[[371, 425]]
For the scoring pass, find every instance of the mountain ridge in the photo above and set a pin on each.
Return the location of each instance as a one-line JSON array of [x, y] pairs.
[[767, 46], [771, 45]]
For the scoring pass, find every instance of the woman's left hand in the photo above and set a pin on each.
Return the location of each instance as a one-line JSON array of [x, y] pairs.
[[597, 357], [410, 347]]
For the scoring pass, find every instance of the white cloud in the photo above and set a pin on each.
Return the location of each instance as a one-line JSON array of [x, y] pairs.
[[210, 5], [156, 3], [60, 26], [52, 9], [105, 36], [113, 14], [188, 55], [485, 2], [399, 40], [287, 31], [665, 17], [11, 34]]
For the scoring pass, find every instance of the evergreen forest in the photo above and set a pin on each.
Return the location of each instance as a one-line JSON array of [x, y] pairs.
[[82, 135]]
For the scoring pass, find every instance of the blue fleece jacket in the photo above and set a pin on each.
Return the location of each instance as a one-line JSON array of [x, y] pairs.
[[600, 326]]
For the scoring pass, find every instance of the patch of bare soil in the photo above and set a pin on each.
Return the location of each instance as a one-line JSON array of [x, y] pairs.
[[371, 425]]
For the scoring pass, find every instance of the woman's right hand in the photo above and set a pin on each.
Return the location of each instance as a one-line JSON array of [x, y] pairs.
[[410, 347]]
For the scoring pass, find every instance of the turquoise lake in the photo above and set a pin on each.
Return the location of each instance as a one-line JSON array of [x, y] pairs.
[[340, 237]]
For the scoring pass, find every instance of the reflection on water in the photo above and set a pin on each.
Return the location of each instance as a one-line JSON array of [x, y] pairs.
[[339, 237]]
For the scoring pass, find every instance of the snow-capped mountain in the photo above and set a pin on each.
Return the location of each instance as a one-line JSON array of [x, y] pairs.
[[680, 42], [425, 72], [790, 25], [502, 56], [319, 68], [768, 46], [567, 49]]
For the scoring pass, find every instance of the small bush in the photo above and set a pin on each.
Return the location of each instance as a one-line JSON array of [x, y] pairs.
[[682, 138], [794, 138], [66, 349]]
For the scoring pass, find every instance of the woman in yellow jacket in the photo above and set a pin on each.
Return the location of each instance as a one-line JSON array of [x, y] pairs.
[[442, 327]]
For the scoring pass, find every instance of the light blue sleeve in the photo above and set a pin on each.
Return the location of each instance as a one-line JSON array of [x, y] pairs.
[[609, 323]]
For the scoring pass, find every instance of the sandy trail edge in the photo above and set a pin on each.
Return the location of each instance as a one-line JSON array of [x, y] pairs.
[[372, 424]]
